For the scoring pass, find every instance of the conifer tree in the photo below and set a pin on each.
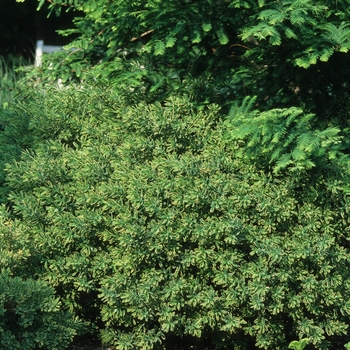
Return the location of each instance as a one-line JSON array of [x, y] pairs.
[[287, 53]]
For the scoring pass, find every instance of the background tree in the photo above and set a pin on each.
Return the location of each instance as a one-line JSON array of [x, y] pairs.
[[286, 53]]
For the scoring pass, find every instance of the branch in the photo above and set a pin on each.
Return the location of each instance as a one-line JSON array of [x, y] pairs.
[[142, 35]]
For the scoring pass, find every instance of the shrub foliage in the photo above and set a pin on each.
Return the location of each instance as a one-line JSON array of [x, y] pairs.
[[31, 316], [160, 215], [151, 226]]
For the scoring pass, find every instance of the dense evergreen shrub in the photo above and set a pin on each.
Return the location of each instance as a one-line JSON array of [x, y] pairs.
[[31, 316], [171, 221], [14, 137], [152, 227]]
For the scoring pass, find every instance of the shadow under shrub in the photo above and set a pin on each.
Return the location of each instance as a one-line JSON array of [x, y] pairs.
[[31, 316], [149, 226]]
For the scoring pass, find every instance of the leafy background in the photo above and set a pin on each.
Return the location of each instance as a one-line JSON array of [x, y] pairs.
[[177, 177]]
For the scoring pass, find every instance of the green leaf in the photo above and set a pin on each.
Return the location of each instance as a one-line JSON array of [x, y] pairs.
[[283, 162], [298, 154], [206, 27], [159, 48], [299, 345], [223, 38], [303, 62], [275, 39], [344, 48], [197, 38], [326, 54], [290, 34], [170, 41]]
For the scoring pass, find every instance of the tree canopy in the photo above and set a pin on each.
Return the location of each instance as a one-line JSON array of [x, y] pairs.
[[284, 52]]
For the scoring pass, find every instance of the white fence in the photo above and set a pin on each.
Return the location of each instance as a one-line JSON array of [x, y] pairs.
[[41, 49]]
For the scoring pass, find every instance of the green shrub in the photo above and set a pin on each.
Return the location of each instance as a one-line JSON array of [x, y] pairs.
[[14, 137], [11, 71], [14, 133], [31, 316], [151, 226]]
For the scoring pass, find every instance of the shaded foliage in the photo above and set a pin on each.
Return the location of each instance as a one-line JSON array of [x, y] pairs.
[[31, 316]]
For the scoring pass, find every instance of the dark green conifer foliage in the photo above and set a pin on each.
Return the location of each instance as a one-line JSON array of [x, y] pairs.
[[287, 53], [286, 138]]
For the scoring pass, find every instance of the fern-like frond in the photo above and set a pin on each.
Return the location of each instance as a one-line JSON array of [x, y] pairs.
[[285, 136], [304, 140], [337, 35], [222, 36], [245, 107], [290, 33], [159, 48], [170, 41], [272, 16], [298, 154], [283, 162]]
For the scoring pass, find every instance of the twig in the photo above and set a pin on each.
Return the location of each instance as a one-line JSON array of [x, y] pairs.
[[142, 35]]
